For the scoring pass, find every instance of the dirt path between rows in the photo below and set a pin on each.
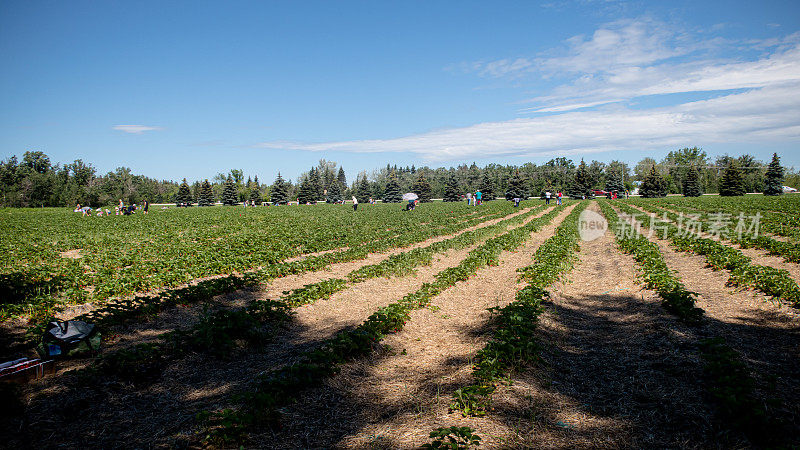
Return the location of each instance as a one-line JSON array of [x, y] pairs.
[[167, 408], [396, 397], [765, 332], [614, 370]]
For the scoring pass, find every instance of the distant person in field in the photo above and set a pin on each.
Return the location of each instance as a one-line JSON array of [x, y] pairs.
[[547, 197], [558, 198], [478, 197], [516, 201], [355, 203], [469, 198], [146, 206]]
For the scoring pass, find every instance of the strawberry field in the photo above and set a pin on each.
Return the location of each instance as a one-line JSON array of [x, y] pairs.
[[450, 326]]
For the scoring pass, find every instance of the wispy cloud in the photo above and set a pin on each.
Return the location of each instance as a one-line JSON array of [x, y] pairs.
[[767, 114], [631, 58], [135, 129], [595, 79]]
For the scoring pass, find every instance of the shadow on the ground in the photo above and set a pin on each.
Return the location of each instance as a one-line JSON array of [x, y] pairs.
[[616, 371]]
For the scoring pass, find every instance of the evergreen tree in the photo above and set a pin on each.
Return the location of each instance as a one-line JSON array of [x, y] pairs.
[[342, 179], [451, 189], [184, 194], [422, 188], [229, 194], [307, 191], [279, 194], [363, 192], [581, 183], [774, 177], [732, 182], [334, 192], [206, 194], [392, 192], [255, 195], [654, 185], [614, 180], [487, 187], [515, 187], [691, 183], [316, 189]]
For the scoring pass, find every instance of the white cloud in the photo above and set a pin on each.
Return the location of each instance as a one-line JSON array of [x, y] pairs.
[[135, 129], [758, 99], [767, 114]]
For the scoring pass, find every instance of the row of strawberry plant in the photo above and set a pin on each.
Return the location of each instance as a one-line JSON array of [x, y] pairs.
[[215, 333], [656, 275], [782, 224], [281, 387], [142, 306], [729, 382], [399, 264], [120, 257], [769, 280], [514, 344], [790, 251]]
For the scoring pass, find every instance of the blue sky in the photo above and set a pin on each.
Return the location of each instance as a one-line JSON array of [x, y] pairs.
[[189, 89]]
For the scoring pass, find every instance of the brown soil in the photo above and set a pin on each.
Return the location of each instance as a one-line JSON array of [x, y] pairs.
[[72, 254], [395, 398]]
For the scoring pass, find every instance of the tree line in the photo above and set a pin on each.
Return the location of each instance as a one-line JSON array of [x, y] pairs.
[[35, 181]]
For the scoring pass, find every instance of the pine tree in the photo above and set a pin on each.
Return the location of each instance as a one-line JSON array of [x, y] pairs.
[[307, 191], [229, 194], [515, 187], [184, 194], [316, 190], [206, 194], [279, 194], [691, 183], [334, 193], [422, 188], [654, 185], [581, 183], [392, 192], [342, 179], [487, 187], [255, 195], [451, 190], [363, 192], [614, 180], [732, 182], [774, 177]]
